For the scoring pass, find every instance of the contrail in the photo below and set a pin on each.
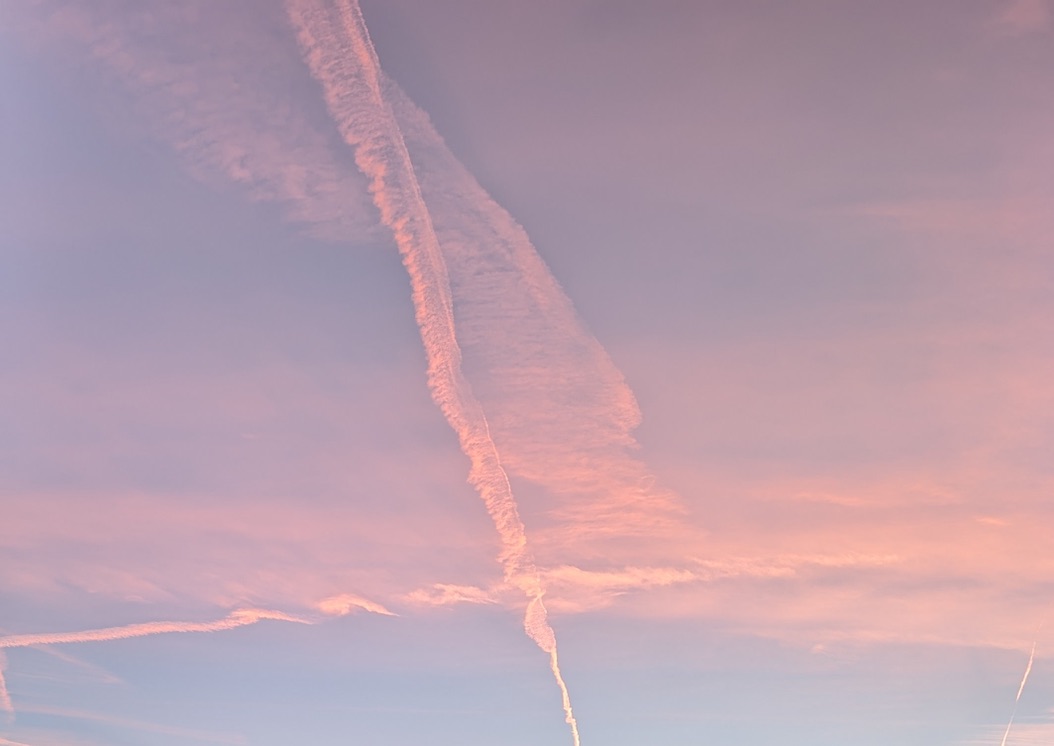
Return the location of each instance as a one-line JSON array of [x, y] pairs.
[[5, 696], [558, 408], [239, 618], [340, 54], [1017, 699]]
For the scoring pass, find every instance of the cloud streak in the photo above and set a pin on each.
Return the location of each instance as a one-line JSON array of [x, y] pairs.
[[1017, 699], [346, 603], [449, 594], [340, 54], [559, 411], [238, 618], [204, 88]]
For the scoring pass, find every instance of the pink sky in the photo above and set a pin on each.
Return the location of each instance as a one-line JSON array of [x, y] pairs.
[[736, 318]]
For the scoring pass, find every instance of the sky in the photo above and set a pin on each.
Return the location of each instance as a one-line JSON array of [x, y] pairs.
[[579, 372]]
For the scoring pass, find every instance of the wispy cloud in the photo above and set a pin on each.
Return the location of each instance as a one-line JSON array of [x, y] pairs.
[[346, 603], [206, 88], [559, 411], [1024, 16], [96, 673], [1039, 732], [338, 49], [448, 594], [186, 734]]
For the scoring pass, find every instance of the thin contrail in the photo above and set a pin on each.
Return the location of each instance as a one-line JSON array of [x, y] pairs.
[[1017, 699], [239, 618], [338, 49], [5, 696]]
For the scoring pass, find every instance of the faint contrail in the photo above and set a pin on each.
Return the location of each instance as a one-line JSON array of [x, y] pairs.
[[239, 618], [338, 49], [1017, 699], [5, 696]]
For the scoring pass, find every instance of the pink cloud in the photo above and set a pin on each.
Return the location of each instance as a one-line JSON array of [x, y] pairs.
[[448, 594], [346, 603], [1024, 16], [206, 88]]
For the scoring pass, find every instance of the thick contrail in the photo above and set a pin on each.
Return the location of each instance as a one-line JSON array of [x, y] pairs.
[[558, 408], [341, 56], [239, 618], [1017, 699]]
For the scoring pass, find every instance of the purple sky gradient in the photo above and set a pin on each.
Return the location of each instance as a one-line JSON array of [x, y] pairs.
[[813, 240]]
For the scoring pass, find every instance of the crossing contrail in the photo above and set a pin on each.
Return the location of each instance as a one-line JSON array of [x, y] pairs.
[[1017, 699], [340, 54]]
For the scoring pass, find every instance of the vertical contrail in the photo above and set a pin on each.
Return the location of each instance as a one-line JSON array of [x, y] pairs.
[[1017, 699], [338, 49], [5, 697]]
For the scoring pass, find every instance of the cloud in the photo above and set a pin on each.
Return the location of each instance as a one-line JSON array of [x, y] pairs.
[[446, 594], [1021, 17], [855, 554], [346, 603], [220, 92], [338, 49], [558, 410]]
